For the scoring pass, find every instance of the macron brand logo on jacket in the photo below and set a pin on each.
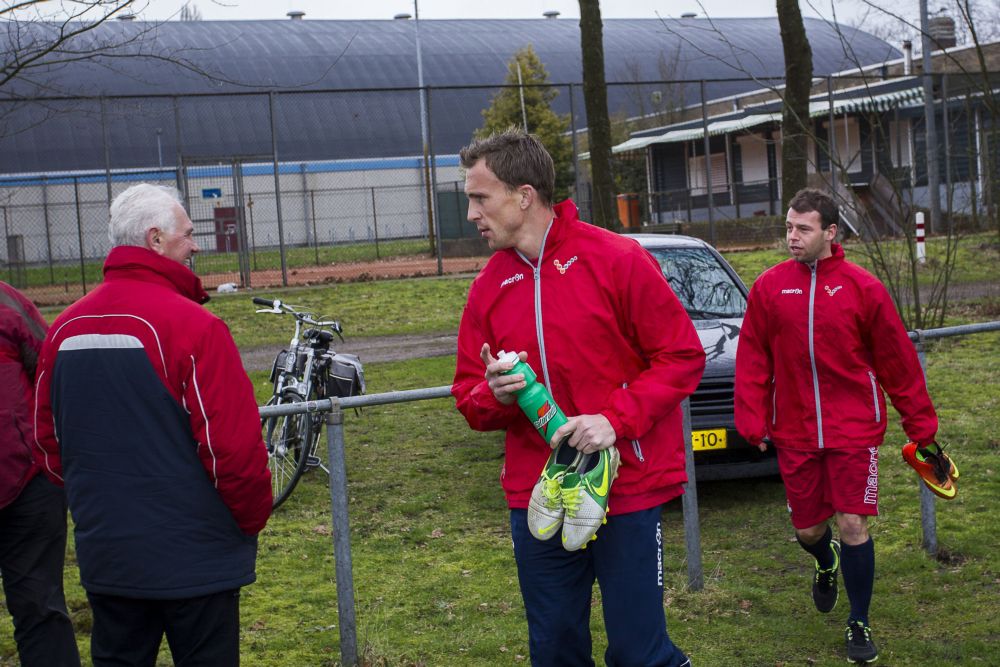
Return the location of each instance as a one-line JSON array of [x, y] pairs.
[[794, 290], [564, 267], [517, 277], [833, 291]]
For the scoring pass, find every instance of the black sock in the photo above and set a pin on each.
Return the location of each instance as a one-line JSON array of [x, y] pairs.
[[820, 549], [857, 562]]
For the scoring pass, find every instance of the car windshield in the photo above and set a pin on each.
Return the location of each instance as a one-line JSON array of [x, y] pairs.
[[701, 283]]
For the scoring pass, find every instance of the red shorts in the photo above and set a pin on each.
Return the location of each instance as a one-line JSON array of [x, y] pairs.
[[821, 482]]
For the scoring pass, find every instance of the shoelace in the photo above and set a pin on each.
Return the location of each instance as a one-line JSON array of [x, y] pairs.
[[552, 490], [825, 577], [938, 460], [571, 500], [860, 634]]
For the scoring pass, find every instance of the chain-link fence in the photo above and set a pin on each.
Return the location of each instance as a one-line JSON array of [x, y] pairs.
[[282, 185]]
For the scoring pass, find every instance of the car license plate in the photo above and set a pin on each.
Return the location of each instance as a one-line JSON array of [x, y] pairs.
[[708, 440]]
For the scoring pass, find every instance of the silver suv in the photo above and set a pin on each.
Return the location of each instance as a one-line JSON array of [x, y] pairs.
[[715, 299]]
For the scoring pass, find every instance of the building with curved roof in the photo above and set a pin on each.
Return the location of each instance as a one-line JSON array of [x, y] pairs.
[[200, 87]]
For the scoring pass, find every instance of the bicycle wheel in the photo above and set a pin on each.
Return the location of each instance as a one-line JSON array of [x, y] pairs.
[[288, 438]]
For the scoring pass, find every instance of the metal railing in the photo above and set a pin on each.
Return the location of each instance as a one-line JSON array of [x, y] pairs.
[[334, 408]]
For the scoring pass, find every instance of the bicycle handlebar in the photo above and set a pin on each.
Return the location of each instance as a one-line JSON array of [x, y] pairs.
[[276, 306]]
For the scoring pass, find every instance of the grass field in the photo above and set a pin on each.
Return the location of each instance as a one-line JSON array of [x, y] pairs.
[[433, 569]]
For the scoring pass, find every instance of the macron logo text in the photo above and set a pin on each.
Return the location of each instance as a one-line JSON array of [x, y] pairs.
[[513, 279], [795, 290]]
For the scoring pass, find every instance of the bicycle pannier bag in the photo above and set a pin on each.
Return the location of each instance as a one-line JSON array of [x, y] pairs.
[[347, 376]]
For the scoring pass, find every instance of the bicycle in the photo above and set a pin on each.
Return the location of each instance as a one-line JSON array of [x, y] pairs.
[[307, 370]]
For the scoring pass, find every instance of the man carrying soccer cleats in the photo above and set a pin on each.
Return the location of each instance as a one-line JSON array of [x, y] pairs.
[[592, 312], [820, 343]]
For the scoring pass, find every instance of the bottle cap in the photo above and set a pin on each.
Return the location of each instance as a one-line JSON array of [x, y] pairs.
[[505, 357]]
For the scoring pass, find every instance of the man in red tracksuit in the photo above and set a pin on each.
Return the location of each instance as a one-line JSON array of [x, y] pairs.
[[609, 339], [820, 342], [145, 413], [32, 509]]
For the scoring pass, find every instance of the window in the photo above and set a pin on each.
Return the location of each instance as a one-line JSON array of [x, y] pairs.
[[696, 174], [847, 138], [900, 146], [753, 154], [702, 284]]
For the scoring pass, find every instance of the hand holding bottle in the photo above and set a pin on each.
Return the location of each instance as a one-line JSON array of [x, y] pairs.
[[503, 385]]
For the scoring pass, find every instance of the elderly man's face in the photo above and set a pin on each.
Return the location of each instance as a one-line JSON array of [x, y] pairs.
[[178, 244]]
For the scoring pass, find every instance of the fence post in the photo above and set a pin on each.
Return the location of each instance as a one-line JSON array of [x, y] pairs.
[[928, 514], [312, 209], [432, 193], [107, 156], [48, 229], [375, 224], [277, 189], [708, 165], [347, 620], [576, 150], [689, 505], [79, 232]]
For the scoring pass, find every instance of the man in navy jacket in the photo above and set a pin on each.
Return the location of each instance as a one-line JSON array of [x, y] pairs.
[[145, 413]]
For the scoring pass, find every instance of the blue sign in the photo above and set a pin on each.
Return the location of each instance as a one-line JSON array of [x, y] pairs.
[[211, 193]]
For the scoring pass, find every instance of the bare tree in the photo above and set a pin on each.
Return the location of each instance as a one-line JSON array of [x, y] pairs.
[[595, 100], [190, 12], [39, 36], [795, 110]]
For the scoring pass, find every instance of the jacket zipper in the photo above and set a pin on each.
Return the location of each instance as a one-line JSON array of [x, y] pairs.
[[878, 413], [812, 353], [536, 270], [636, 446]]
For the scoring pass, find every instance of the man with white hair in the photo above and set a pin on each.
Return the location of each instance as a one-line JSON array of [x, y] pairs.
[[144, 412]]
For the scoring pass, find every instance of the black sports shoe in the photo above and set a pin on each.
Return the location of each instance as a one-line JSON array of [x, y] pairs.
[[825, 582], [860, 647]]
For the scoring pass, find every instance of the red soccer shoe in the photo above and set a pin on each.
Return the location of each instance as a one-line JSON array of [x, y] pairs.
[[935, 468]]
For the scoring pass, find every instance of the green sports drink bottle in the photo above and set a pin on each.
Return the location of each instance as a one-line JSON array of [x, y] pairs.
[[535, 400]]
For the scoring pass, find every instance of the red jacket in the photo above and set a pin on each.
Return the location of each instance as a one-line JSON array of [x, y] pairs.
[[616, 340], [22, 330], [816, 350], [144, 408]]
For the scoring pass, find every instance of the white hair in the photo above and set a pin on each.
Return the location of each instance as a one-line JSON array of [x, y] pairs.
[[140, 208]]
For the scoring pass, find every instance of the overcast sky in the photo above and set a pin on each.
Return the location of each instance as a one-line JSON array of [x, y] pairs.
[[454, 9]]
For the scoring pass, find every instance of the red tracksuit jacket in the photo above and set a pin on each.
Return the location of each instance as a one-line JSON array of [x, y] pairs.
[[605, 333], [817, 348]]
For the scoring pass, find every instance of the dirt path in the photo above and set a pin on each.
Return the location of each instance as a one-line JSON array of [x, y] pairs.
[[411, 346], [396, 267], [376, 348]]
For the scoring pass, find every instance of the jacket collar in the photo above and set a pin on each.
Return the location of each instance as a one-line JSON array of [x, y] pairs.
[[566, 214], [135, 263], [828, 263]]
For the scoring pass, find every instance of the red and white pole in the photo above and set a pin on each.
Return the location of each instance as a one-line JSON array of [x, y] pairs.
[[921, 249]]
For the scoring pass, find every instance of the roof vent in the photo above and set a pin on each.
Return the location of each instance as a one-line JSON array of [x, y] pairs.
[[126, 17], [941, 30], [402, 17], [295, 15], [551, 14]]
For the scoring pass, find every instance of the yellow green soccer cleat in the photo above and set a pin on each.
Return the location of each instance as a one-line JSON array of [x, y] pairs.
[[545, 509], [585, 489]]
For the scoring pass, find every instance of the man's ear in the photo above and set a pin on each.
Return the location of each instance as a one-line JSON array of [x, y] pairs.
[[527, 196], [153, 239], [831, 232]]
